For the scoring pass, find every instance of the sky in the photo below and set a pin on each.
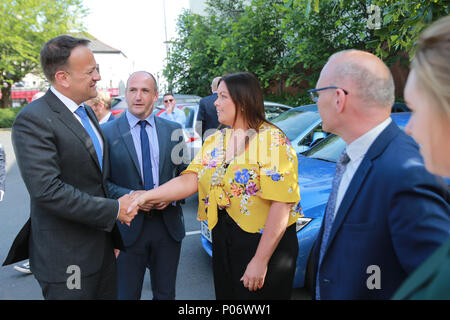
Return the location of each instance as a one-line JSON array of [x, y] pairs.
[[135, 27]]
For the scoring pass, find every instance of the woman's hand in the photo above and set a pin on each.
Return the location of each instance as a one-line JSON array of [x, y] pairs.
[[147, 206], [142, 200], [255, 274]]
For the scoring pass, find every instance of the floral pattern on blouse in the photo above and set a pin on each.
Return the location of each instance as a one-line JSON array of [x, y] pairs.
[[248, 186]]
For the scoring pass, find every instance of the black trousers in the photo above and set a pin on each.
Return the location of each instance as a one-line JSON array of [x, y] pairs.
[[98, 286], [233, 249]]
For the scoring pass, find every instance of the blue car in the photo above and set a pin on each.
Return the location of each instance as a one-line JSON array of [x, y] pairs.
[[316, 172]]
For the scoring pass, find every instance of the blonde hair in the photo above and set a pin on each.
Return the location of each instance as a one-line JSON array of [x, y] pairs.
[[432, 64], [102, 97]]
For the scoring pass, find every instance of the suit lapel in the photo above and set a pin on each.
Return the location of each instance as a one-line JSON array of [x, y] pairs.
[[357, 183], [73, 124], [125, 133], [163, 139]]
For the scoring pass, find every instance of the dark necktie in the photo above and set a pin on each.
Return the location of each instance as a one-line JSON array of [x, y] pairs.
[[329, 215], [146, 157], [81, 112]]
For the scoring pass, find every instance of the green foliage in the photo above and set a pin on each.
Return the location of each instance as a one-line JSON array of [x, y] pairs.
[[25, 25], [7, 116], [286, 42], [403, 21]]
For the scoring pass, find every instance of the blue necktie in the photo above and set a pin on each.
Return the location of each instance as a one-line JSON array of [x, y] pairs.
[[81, 112], [146, 158], [329, 215]]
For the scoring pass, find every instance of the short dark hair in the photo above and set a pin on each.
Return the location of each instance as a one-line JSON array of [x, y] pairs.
[[56, 52]]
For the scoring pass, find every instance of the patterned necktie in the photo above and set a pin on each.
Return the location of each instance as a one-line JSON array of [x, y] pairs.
[[146, 158], [81, 112], [329, 216]]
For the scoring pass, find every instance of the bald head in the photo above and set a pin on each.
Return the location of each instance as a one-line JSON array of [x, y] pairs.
[[364, 75], [144, 74]]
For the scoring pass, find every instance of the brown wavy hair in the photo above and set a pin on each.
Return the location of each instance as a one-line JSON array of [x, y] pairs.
[[246, 94]]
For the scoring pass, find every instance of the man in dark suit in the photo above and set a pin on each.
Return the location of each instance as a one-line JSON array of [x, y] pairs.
[[60, 150], [140, 159], [207, 114], [386, 214]]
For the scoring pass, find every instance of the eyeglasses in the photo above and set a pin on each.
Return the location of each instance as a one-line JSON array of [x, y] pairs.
[[313, 93], [170, 100]]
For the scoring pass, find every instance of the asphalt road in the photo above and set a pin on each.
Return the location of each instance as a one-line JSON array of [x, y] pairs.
[[194, 278]]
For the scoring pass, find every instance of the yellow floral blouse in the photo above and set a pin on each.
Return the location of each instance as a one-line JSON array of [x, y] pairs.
[[267, 171]]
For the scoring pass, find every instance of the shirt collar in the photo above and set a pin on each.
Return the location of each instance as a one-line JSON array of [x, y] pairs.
[[133, 121], [358, 148], [70, 104]]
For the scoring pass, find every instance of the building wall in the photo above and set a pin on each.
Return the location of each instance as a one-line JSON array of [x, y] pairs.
[[113, 69]]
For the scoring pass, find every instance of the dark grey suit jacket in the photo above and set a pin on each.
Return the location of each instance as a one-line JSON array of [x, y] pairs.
[[71, 218], [125, 174]]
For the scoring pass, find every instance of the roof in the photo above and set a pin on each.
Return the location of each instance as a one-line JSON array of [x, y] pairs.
[[98, 46]]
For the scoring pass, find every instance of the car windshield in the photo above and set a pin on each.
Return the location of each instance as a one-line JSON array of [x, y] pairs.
[[294, 122], [329, 149]]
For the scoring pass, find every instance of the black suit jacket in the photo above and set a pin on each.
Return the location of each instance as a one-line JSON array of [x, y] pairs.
[[207, 114], [124, 175], [71, 218]]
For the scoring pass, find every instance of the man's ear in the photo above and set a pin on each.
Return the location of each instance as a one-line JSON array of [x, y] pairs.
[[340, 100], [155, 99], [61, 78]]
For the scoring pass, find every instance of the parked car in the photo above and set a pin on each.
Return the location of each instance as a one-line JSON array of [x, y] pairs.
[[274, 109], [303, 125], [316, 171]]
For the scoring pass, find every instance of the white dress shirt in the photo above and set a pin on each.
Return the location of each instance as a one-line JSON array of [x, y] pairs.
[[72, 106], [356, 152], [105, 118]]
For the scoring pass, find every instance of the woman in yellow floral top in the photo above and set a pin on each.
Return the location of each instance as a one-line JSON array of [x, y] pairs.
[[247, 181]]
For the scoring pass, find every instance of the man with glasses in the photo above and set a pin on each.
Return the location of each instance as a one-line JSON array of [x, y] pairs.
[[171, 112], [385, 214]]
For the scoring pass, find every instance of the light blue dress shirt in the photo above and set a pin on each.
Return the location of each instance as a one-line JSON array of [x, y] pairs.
[[177, 116], [135, 129]]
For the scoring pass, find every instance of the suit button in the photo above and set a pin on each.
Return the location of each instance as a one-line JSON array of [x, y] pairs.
[[325, 280]]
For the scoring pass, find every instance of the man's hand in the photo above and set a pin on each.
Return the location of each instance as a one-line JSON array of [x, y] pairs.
[[144, 207], [124, 216], [161, 206]]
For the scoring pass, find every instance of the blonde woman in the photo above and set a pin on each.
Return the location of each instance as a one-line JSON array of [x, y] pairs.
[[427, 94]]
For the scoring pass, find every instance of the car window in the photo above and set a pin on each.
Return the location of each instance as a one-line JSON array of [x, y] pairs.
[[294, 122], [328, 149], [314, 137], [273, 111]]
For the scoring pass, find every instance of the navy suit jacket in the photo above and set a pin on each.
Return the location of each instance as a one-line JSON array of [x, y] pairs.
[[207, 113], [124, 175], [393, 216]]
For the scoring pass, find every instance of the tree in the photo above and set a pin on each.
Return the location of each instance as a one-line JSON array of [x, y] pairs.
[[25, 25]]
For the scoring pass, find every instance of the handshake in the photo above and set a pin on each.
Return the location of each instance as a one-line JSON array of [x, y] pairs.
[[131, 203]]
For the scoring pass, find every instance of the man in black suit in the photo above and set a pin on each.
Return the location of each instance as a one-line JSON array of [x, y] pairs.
[[140, 159], [61, 153], [207, 120]]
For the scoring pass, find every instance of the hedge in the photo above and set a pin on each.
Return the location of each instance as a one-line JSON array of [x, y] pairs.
[[7, 116]]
